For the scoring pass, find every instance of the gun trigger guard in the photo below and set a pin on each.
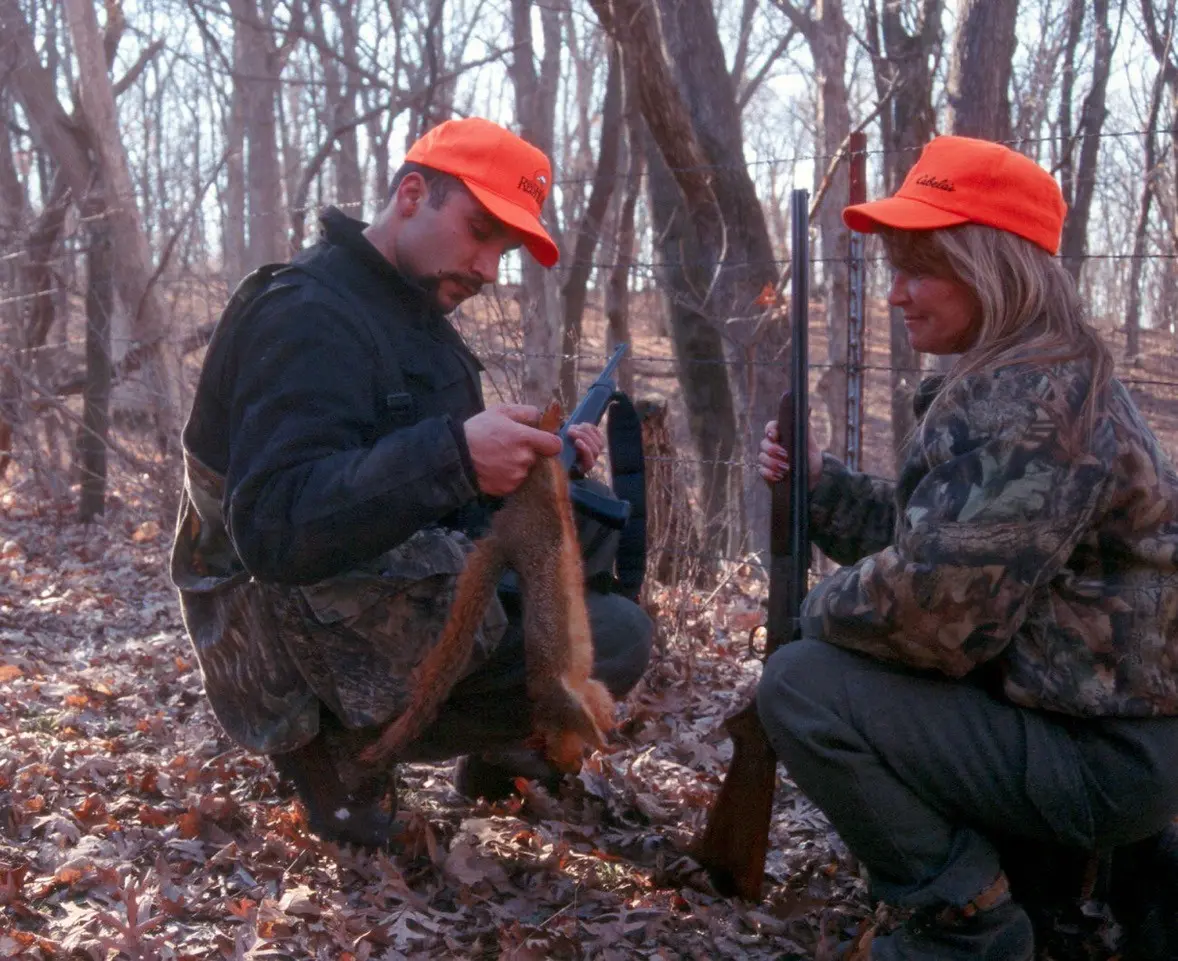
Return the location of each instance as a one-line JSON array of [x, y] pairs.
[[752, 643]]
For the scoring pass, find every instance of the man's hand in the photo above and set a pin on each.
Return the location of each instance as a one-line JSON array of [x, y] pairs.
[[504, 444], [590, 442], [773, 464]]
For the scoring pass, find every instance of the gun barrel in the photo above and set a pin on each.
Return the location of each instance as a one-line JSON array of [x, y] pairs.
[[612, 364], [593, 404], [799, 488]]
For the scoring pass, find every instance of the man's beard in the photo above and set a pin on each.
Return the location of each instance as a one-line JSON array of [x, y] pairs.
[[429, 285]]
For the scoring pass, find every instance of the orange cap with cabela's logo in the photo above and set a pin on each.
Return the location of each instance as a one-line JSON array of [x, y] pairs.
[[960, 180], [507, 175]]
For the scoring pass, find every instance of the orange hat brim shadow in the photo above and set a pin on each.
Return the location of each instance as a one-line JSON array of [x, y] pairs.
[[536, 238], [903, 213]]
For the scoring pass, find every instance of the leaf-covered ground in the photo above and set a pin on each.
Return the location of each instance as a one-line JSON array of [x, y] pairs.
[[131, 828]]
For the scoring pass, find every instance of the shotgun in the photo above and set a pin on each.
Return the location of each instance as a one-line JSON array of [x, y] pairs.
[[735, 839], [611, 511]]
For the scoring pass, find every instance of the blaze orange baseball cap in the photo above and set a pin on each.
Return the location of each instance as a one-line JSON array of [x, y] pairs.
[[960, 180], [509, 176]]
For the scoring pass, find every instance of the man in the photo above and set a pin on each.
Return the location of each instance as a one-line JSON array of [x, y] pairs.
[[339, 459]]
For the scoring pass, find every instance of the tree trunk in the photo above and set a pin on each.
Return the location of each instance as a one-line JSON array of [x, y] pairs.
[[1075, 228], [233, 221], [535, 98], [691, 242], [979, 74], [979, 79], [349, 182], [577, 280], [673, 545], [257, 72], [698, 348], [907, 124], [13, 210], [828, 44], [1067, 85], [133, 269], [92, 438], [1161, 41], [1140, 231], [754, 340], [617, 289]]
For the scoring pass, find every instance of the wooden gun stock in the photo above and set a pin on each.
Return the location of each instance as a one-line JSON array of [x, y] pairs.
[[735, 840]]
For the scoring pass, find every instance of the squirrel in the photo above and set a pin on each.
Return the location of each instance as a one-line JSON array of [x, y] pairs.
[[533, 534]]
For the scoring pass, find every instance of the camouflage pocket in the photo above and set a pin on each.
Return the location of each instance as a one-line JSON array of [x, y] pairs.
[[366, 630]]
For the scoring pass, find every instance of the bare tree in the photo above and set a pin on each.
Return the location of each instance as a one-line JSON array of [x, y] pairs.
[[617, 290], [1083, 185], [60, 137], [577, 277], [93, 433], [1140, 231], [827, 34], [259, 55], [980, 70], [903, 57], [535, 99], [713, 237]]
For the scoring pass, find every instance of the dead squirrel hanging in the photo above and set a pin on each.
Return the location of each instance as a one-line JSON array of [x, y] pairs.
[[533, 534]]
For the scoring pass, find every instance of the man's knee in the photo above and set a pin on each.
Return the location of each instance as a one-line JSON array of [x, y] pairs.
[[622, 638]]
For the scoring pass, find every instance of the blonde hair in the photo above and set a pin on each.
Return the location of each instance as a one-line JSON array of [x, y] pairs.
[[1030, 310]]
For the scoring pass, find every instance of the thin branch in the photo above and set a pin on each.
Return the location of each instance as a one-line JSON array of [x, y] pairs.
[[759, 77], [138, 67], [803, 23], [840, 154], [50, 399]]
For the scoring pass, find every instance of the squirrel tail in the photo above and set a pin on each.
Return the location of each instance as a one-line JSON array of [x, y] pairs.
[[438, 672]]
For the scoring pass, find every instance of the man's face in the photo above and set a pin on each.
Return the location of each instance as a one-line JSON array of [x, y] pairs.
[[452, 251]]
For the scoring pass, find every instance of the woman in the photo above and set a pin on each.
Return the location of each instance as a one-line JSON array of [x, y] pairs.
[[999, 657]]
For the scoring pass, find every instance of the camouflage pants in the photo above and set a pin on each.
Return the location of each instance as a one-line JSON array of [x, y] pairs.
[[919, 773], [281, 664], [489, 708]]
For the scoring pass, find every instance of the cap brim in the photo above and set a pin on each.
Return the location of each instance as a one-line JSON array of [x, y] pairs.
[[903, 213], [536, 238]]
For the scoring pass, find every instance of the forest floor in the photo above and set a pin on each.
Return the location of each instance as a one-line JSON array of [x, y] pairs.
[[130, 827]]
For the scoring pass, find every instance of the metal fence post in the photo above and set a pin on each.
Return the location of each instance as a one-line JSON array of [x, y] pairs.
[[856, 324]]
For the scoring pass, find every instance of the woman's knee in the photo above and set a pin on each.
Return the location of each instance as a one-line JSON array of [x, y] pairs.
[[800, 681]]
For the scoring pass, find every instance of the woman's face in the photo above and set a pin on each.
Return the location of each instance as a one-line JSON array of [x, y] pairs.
[[942, 315]]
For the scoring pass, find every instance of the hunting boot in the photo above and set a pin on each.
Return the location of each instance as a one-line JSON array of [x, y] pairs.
[[1143, 895], [991, 927], [335, 813], [492, 775]]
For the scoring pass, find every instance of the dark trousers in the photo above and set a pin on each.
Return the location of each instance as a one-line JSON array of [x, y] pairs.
[[919, 773]]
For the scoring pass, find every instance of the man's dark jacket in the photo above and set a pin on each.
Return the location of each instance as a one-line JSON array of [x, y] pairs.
[[325, 466], [328, 496]]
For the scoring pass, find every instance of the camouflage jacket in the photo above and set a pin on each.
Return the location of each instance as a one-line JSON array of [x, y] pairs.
[[999, 546]]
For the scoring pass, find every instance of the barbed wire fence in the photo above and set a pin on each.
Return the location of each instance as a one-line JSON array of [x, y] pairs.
[[42, 389]]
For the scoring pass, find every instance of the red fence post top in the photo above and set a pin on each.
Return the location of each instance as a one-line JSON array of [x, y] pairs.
[[858, 156]]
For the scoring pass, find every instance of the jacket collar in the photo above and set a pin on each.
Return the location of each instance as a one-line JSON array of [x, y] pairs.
[[339, 230]]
